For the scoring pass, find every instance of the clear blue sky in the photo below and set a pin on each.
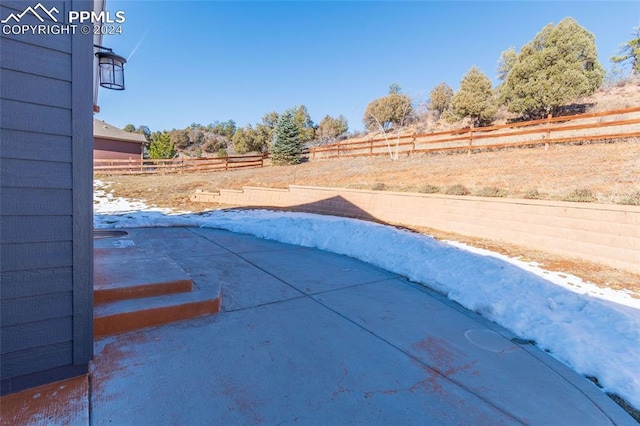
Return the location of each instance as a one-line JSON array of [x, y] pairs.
[[201, 61]]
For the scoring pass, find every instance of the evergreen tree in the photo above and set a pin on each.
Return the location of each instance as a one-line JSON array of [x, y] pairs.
[[162, 147], [306, 128], [247, 139], [394, 89], [264, 131], [393, 110], [475, 98], [440, 97], [331, 128], [559, 66], [630, 51], [142, 129], [505, 63], [286, 147]]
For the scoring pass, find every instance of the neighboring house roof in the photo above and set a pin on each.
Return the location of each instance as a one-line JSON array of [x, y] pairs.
[[102, 129]]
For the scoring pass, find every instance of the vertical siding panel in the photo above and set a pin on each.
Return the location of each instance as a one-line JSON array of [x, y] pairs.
[[82, 120]]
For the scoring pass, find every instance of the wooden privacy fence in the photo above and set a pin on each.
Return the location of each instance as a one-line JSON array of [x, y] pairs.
[[623, 123], [174, 165]]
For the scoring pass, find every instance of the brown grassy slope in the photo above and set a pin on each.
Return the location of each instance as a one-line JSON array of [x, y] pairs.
[[611, 171]]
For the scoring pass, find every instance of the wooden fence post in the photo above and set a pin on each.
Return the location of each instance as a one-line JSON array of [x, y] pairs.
[[338, 148], [413, 144], [546, 145], [370, 147], [470, 138]]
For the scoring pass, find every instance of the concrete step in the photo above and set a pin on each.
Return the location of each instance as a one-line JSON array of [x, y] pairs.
[[123, 274], [136, 288], [134, 314]]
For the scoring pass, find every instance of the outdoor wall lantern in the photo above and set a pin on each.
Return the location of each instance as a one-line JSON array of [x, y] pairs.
[[110, 68]]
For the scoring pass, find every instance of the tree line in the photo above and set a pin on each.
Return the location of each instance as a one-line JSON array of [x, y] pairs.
[[559, 66], [217, 137]]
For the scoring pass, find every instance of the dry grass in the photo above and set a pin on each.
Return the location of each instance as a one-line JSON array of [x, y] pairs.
[[624, 94], [610, 172]]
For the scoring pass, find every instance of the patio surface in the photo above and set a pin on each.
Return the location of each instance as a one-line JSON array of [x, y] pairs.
[[305, 336]]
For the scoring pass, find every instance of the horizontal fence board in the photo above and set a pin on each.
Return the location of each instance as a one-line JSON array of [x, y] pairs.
[[174, 165], [617, 124]]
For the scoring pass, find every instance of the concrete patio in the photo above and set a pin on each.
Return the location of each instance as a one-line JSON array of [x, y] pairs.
[[304, 336]]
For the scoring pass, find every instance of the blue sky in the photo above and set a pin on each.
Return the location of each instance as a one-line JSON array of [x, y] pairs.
[[202, 61]]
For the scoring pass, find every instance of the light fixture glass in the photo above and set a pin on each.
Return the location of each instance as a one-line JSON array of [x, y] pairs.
[[111, 70]]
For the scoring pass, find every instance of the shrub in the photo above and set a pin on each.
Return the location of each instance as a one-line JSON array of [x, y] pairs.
[[429, 189], [582, 195], [532, 194], [213, 145], [379, 186], [632, 200], [458, 190], [222, 153], [491, 191]]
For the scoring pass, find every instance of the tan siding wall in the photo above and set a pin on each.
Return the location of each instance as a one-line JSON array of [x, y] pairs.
[[609, 234]]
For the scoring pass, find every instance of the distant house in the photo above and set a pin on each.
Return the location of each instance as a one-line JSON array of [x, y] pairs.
[[112, 143], [46, 238]]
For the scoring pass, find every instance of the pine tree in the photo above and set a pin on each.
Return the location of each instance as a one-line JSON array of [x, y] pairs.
[[630, 52], [286, 147], [440, 98], [559, 66], [306, 128], [475, 98], [331, 128], [162, 147]]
